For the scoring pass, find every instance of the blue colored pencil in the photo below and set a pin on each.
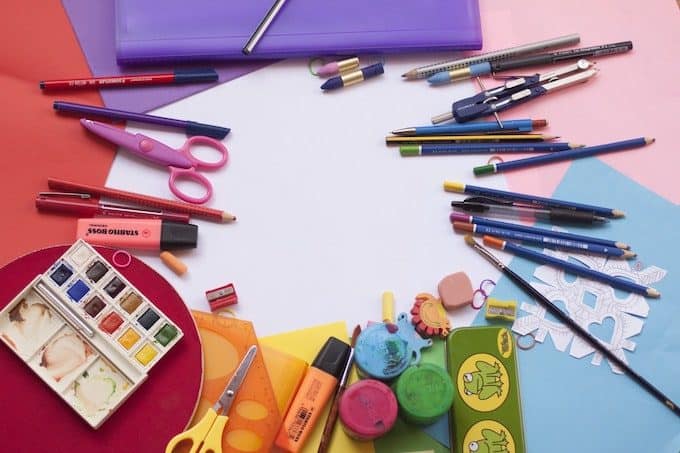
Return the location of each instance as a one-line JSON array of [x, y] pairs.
[[440, 149], [523, 125], [565, 155], [577, 269], [459, 217], [544, 241], [451, 186]]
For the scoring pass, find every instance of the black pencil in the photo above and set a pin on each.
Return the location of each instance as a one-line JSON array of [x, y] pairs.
[[580, 331]]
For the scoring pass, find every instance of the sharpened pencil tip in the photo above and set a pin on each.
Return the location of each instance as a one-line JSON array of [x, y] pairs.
[[576, 145], [618, 213], [228, 218], [651, 292], [622, 245], [627, 254], [649, 140]]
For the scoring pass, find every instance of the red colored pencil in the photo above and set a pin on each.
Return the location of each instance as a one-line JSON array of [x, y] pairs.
[[144, 200], [177, 76]]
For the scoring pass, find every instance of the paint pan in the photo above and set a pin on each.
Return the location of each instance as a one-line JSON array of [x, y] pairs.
[[87, 332]]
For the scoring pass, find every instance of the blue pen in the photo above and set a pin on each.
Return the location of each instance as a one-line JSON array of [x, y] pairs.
[[545, 241], [568, 266], [441, 149], [459, 217], [564, 155], [524, 125]]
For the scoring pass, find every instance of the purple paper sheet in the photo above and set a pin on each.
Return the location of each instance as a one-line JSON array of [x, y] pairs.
[[94, 25]]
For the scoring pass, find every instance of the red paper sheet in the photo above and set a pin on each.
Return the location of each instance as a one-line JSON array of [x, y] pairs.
[[38, 41]]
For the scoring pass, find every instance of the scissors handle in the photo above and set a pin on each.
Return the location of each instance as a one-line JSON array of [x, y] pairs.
[[202, 140], [192, 175], [205, 437]]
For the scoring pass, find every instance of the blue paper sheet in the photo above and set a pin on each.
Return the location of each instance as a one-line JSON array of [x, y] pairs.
[[571, 405]]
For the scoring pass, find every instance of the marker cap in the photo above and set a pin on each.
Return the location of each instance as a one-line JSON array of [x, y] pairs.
[[409, 150], [484, 169], [195, 75], [332, 358], [194, 128], [175, 235]]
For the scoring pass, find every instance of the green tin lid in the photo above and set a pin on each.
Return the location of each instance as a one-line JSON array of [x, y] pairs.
[[424, 393]]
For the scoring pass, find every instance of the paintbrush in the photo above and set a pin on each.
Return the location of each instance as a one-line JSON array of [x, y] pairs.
[[333, 413], [580, 331]]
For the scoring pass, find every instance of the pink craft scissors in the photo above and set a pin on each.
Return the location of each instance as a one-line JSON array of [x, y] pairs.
[[180, 161]]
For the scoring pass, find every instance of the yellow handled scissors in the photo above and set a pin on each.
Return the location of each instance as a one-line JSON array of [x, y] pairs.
[[206, 436]]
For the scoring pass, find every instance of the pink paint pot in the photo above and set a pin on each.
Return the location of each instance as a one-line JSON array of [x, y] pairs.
[[368, 409]]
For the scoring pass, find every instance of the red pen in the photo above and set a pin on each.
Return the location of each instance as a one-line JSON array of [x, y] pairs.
[[81, 208], [177, 76]]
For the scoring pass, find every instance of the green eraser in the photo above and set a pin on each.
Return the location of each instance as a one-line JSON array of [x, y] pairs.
[[409, 150], [484, 169]]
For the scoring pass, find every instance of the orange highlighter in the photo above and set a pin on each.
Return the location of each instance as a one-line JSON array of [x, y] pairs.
[[316, 389]]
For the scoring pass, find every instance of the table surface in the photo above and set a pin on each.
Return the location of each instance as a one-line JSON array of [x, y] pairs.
[[329, 217]]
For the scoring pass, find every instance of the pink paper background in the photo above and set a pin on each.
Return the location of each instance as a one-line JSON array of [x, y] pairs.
[[636, 94]]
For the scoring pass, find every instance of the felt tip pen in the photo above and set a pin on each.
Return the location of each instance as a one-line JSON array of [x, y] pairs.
[[492, 67], [316, 389], [353, 77], [83, 208], [190, 127], [176, 77], [143, 234]]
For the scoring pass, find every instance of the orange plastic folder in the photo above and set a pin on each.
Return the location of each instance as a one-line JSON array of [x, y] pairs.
[[39, 44], [254, 417]]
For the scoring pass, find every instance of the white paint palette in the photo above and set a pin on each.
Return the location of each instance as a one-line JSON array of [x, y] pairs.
[[87, 332]]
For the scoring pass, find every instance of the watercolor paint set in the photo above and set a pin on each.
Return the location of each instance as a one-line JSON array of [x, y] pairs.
[[87, 332]]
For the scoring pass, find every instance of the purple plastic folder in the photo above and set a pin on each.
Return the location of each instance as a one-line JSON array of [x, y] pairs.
[[94, 26], [181, 30]]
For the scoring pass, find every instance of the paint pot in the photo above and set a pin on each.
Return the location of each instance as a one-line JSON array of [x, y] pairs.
[[368, 409], [424, 393], [383, 351]]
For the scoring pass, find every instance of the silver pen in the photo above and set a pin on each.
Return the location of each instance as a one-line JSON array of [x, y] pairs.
[[262, 28], [426, 71]]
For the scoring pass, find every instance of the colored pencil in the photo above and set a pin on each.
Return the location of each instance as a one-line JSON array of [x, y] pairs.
[[442, 149], [573, 325], [469, 138], [523, 125], [460, 217], [568, 266], [544, 241], [564, 155], [451, 186], [143, 200]]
